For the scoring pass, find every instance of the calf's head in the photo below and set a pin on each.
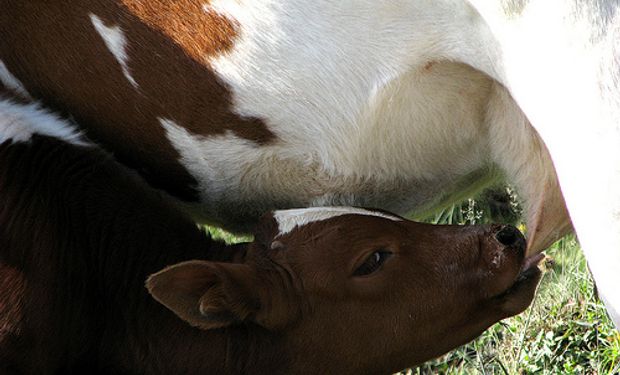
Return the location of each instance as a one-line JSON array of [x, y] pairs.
[[351, 290]]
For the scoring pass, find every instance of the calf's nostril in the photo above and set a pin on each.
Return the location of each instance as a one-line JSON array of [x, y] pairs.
[[509, 236]]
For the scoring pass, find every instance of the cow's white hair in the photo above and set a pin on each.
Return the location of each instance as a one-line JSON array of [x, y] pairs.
[[19, 122], [116, 42], [11, 82]]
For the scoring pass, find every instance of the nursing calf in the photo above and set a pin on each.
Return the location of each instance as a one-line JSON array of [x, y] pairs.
[[323, 290]]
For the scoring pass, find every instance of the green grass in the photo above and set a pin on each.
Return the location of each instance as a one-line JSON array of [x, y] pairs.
[[222, 235]]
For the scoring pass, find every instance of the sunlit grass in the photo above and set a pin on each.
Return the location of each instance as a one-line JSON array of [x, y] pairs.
[[229, 238]]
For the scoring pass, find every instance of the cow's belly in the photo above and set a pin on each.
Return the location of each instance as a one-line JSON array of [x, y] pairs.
[[271, 123], [419, 141], [412, 144]]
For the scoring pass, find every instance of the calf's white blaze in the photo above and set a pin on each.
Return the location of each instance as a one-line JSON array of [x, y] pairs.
[[291, 219]]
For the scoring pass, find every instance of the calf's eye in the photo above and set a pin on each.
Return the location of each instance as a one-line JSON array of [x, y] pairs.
[[372, 263]]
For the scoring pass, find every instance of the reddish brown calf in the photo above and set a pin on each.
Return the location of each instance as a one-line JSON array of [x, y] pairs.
[[359, 294], [318, 291]]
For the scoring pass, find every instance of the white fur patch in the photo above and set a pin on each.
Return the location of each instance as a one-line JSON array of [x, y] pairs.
[[19, 122], [10, 81], [201, 156], [291, 219], [361, 108], [115, 40]]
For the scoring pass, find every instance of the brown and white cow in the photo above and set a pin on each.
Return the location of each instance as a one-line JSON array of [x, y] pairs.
[[323, 290], [237, 107]]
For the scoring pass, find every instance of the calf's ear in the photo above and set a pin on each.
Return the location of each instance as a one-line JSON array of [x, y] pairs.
[[208, 295]]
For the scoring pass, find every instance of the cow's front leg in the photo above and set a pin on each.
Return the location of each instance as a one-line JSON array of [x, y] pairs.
[[587, 159]]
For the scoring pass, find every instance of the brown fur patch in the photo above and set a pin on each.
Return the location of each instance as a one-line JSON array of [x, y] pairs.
[[199, 32], [53, 48]]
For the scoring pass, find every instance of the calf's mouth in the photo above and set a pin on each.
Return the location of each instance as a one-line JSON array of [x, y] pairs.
[[519, 295]]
